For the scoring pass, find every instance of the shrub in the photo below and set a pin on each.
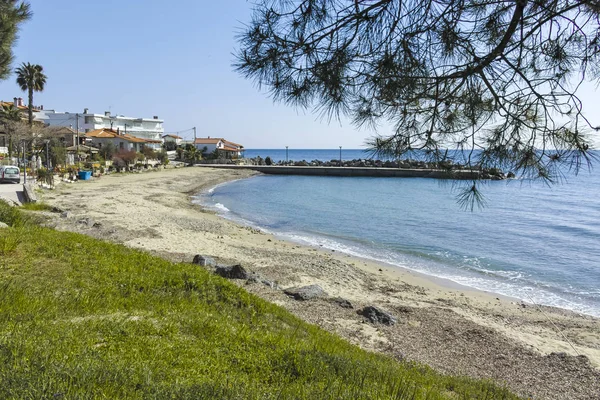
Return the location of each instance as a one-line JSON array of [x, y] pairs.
[[149, 153], [46, 176], [125, 157], [10, 215]]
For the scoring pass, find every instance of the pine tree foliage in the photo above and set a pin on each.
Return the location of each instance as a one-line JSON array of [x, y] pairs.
[[497, 79], [12, 14]]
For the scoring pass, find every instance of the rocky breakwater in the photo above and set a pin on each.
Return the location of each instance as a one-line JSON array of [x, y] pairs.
[[448, 168]]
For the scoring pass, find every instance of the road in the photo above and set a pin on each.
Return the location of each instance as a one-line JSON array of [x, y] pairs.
[[12, 191]]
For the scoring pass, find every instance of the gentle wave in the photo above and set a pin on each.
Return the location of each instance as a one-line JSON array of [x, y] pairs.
[[473, 271], [533, 294]]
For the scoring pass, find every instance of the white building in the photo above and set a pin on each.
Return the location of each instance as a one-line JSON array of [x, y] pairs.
[[178, 140], [223, 147], [145, 128]]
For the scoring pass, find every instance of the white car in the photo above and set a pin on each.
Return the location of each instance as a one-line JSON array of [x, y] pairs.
[[10, 173]]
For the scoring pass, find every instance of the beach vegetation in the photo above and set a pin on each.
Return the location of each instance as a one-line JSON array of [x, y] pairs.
[[37, 206], [497, 81], [84, 318]]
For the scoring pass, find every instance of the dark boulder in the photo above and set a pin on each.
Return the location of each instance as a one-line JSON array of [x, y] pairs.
[[342, 302], [377, 315], [306, 292], [203, 260], [232, 272]]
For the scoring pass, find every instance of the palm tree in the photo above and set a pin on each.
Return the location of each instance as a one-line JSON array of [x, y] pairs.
[[8, 112], [191, 154], [30, 78]]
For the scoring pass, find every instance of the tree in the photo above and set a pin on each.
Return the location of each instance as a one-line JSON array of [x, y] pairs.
[[30, 78], [192, 154], [149, 153], [10, 117], [12, 14], [169, 146], [497, 80], [125, 157], [107, 151]]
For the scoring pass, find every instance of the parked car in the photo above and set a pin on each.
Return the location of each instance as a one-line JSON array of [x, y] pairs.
[[10, 173]]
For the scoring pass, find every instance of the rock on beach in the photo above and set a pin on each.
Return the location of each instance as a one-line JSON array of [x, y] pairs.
[[378, 316], [305, 292]]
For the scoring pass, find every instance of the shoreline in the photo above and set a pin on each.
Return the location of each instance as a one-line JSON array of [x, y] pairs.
[[455, 330], [393, 270], [439, 280]]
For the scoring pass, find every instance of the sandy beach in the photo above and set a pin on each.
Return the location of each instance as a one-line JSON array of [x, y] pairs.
[[539, 352]]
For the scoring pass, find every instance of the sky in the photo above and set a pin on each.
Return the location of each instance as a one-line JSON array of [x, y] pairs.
[[142, 58]]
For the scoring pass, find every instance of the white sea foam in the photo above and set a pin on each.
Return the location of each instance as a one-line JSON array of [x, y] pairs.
[[509, 288], [221, 208]]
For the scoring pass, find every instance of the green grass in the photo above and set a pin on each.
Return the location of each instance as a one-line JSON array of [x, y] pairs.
[[37, 206], [82, 318]]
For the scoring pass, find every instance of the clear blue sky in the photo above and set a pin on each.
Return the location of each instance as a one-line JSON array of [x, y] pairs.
[[147, 57]]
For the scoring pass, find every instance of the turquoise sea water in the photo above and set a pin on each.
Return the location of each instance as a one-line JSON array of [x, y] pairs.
[[531, 241]]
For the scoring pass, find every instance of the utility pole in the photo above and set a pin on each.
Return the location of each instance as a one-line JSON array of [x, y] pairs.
[[25, 164], [47, 156], [77, 128], [194, 135]]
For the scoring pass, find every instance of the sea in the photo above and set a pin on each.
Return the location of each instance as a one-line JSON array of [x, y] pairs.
[[532, 241]]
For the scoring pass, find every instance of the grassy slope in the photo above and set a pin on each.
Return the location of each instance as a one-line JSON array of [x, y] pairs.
[[82, 318]]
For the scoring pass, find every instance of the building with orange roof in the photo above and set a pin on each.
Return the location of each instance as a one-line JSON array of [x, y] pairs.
[[20, 104], [120, 139], [145, 128], [178, 140], [223, 147]]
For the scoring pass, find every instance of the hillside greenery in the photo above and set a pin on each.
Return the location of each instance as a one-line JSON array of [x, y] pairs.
[[82, 318]]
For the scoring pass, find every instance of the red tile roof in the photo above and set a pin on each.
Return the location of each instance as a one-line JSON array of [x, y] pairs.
[[207, 141], [112, 134], [22, 108], [231, 145]]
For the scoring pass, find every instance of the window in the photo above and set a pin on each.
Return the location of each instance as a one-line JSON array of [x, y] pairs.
[[89, 120], [121, 145]]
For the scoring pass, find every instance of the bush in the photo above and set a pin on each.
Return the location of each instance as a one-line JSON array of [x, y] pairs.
[[46, 176], [149, 153], [125, 157], [10, 215]]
